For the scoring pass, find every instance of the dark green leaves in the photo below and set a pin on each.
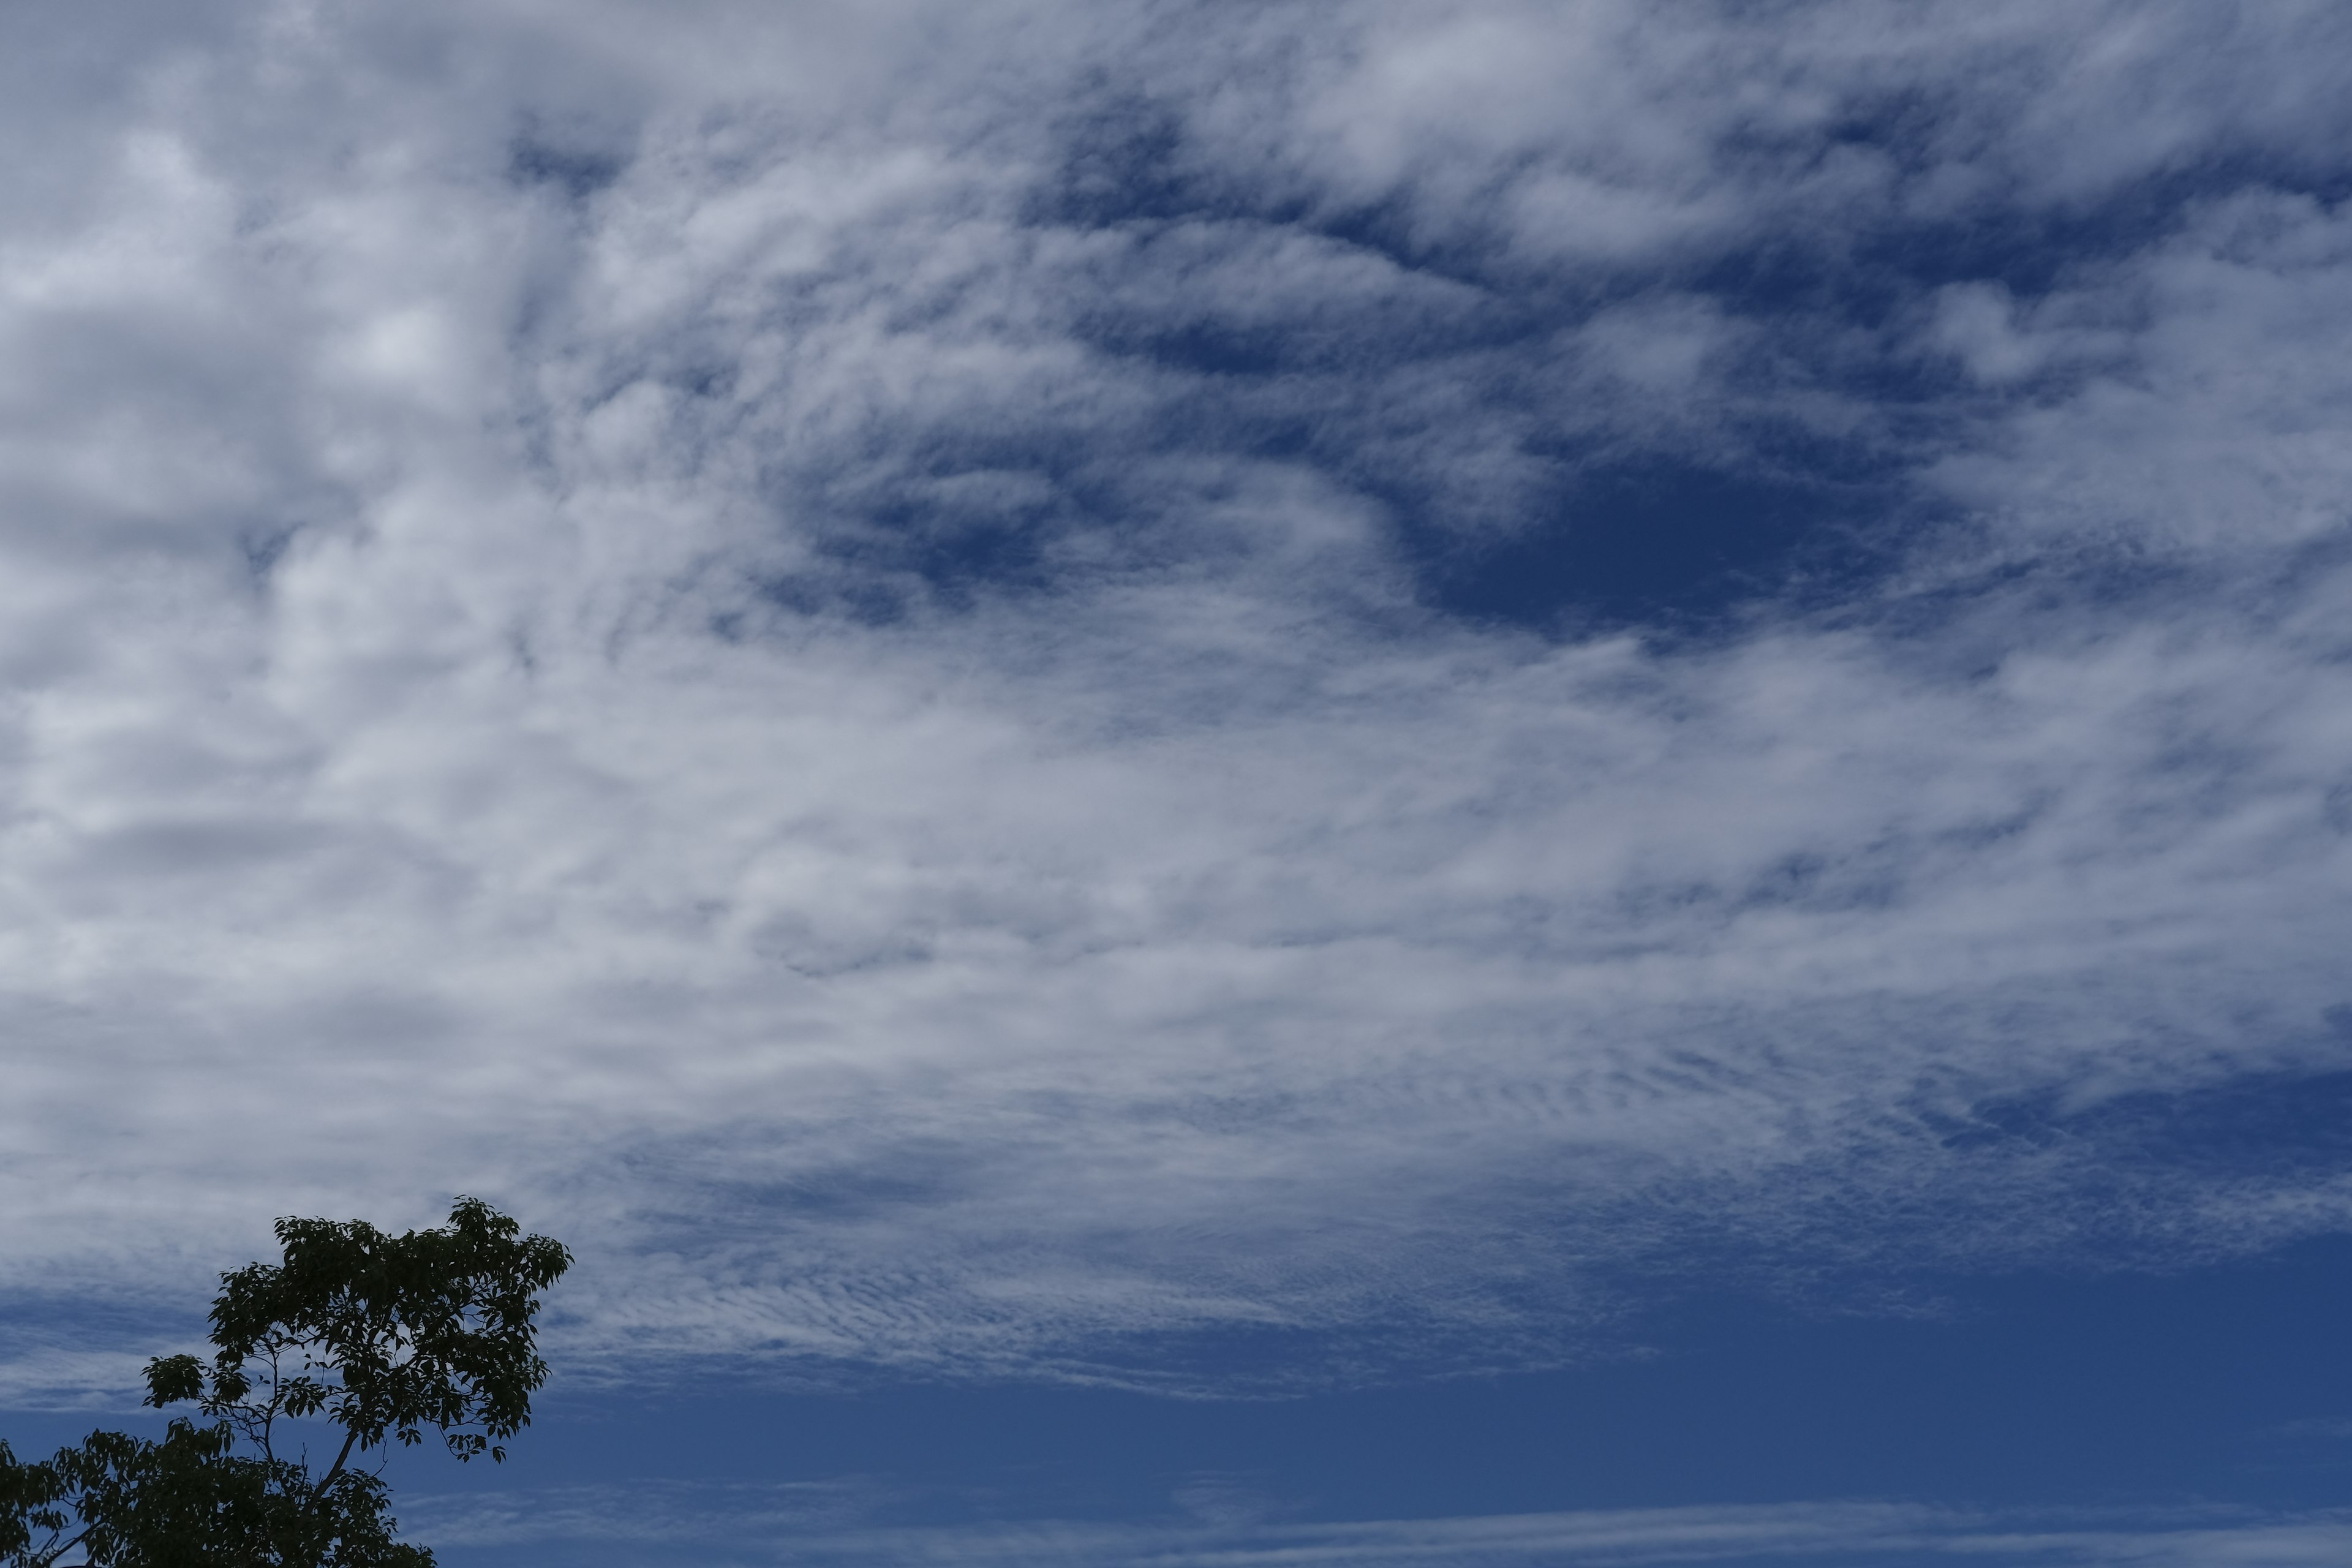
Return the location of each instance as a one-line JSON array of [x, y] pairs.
[[192, 1501], [29, 1510], [382, 1336]]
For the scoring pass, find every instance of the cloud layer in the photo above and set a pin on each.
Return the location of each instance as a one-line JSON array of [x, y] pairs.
[[829, 651]]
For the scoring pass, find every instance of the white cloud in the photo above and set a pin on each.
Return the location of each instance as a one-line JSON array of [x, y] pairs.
[[2213, 422], [492, 705]]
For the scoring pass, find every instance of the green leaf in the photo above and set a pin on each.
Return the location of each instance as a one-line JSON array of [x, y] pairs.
[[379, 1334]]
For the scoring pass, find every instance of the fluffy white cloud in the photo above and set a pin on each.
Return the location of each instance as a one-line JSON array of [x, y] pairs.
[[787, 642]]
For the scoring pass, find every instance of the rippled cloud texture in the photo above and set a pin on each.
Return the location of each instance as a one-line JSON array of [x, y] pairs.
[[988, 686]]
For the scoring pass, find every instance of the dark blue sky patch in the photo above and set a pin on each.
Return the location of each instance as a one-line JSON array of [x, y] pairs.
[[1213, 348], [1392, 315], [577, 173], [890, 544], [1676, 545], [864, 599], [1122, 164], [954, 556]]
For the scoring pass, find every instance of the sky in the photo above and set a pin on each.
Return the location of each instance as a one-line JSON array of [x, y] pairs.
[[1394, 782]]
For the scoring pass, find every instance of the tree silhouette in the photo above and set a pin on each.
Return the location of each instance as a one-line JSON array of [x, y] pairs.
[[379, 1336]]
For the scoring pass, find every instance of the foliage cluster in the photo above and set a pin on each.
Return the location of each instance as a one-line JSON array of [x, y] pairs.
[[379, 1336]]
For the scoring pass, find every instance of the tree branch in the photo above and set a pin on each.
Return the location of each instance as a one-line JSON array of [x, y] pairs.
[[56, 1551], [333, 1471]]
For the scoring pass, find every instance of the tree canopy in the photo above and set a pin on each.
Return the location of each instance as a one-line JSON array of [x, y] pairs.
[[381, 1337]]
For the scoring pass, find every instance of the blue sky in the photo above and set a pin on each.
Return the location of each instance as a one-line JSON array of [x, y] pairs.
[[1402, 784]]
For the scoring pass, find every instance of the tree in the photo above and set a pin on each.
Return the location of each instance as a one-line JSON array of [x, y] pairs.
[[379, 1336]]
